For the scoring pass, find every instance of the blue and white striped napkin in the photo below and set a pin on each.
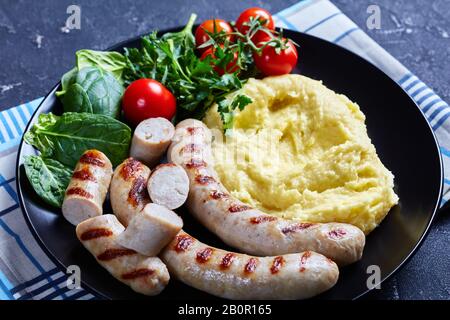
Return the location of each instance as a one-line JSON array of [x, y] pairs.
[[25, 270]]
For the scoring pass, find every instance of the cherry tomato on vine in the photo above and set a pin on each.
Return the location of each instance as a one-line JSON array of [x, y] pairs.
[[272, 63], [147, 98], [212, 26], [231, 67], [262, 14]]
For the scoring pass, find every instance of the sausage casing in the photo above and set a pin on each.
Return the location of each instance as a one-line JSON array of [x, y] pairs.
[[88, 187], [238, 276], [146, 275], [128, 191], [246, 228]]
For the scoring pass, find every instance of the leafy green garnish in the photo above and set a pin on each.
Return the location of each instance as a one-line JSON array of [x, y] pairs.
[[67, 79], [95, 85], [93, 90], [111, 61], [65, 138], [171, 60], [226, 109], [48, 177]]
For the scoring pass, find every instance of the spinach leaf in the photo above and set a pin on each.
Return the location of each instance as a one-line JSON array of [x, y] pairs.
[[48, 177], [65, 138], [113, 62], [76, 100], [67, 79], [94, 90]]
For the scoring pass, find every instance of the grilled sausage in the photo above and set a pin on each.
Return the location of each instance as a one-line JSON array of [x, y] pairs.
[[151, 139], [146, 275], [151, 230], [128, 190], [88, 187], [242, 226], [168, 185], [238, 276]]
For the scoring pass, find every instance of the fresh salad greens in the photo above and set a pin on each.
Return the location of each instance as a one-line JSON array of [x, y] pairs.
[[110, 61], [48, 177], [195, 74], [91, 95], [93, 90], [171, 60], [65, 138], [95, 85]]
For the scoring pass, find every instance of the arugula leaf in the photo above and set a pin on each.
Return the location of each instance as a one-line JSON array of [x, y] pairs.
[[65, 138], [111, 61], [95, 91], [48, 177]]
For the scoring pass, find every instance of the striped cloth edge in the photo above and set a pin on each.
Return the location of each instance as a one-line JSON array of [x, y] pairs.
[[38, 277]]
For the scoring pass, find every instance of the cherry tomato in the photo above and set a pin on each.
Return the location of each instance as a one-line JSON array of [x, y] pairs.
[[272, 63], [259, 37], [147, 98], [231, 67], [262, 14], [212, 26]]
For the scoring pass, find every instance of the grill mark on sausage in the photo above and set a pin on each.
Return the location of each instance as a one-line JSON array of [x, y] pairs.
[[204, 255], [277, 263], [138, 273], [337, 234], [238, 208], [84, 174], [204, 180], [138, 192], [110, 254], [296, 227], [79, 192], [183, 243], [92, 157], [250, 266], [303, 259], [216, 195], [227, 260], [190, 148], [95, 233], [195, 163], [261, 219], [193, 130], [130, 169]]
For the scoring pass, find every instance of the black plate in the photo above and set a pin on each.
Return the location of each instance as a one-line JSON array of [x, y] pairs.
[[404, 141]]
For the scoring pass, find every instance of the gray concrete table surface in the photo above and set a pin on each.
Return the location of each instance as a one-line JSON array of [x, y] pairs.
[[35, 52]]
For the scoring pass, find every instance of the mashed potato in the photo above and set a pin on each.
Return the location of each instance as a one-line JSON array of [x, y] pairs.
[[301, 151]]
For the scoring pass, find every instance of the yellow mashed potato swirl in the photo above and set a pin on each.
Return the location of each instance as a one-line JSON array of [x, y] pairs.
[[301, 151]]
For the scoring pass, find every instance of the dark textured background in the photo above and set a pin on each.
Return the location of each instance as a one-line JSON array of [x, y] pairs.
[[34, 53]]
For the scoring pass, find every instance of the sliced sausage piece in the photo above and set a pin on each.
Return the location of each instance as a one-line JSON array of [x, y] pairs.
[[151, 139], [246, 228], [151, 230], [238, 276], [128, 190], [146, 275], [168, 185], [88, 187]]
